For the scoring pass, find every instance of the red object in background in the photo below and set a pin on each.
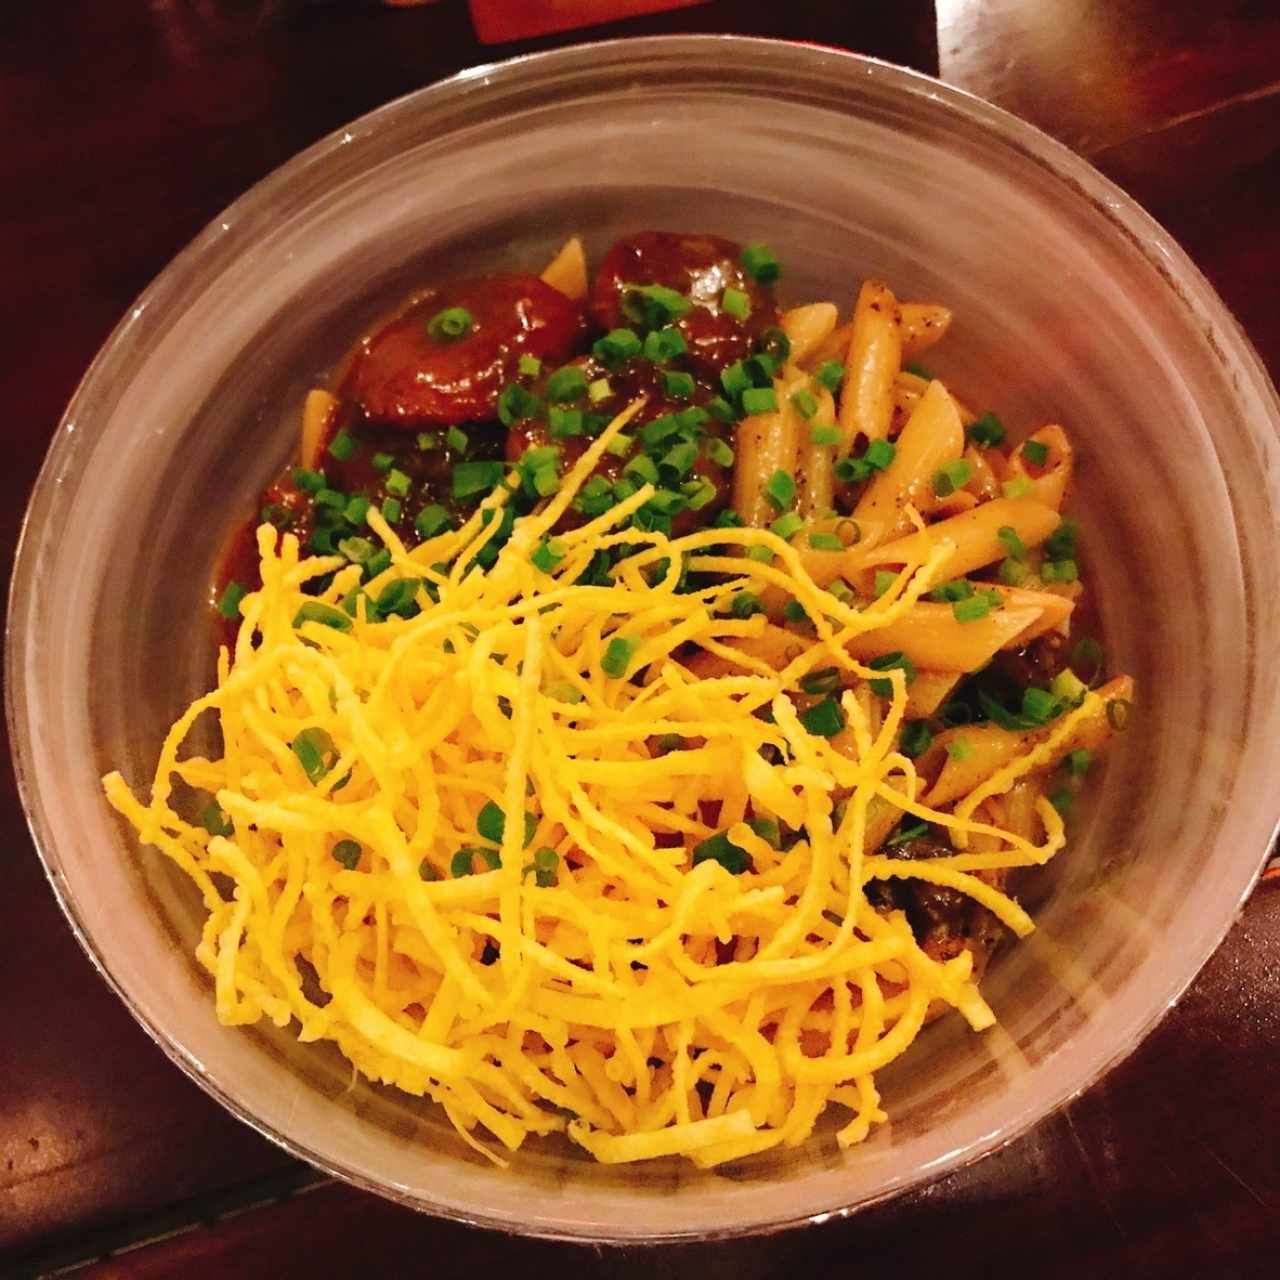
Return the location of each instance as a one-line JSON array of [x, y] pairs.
[[499, 20]]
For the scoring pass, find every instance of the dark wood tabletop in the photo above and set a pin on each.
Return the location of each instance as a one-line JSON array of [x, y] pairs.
[[125, 125]]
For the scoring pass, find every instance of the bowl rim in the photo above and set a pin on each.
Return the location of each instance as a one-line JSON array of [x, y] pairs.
[[1145, 235]]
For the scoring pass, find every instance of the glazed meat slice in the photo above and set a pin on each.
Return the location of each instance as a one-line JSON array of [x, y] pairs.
[[413, 373], [700, 268]]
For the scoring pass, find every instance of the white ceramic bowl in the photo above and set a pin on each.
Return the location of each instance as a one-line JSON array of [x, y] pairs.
[[1072, 305]]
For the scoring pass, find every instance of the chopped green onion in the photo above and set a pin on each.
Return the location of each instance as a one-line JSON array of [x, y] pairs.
[[775, 344], [599, 390], [463, 862], [1062, 800], [450, 324], [399, 598], [830, 375], [768, 831], [331, 498], [759, 263], [721, 410], [745, 605], [620, 445], [470, 478], [566, 385], [793, 611], [308, 481], [428, 440], [1079, 760], [431, 520], [397, 483], [719, 848], [491, 824], [975, 608], [563, 691], [787, 526], [728, 519], [562, 422], [229, 600], [517, 404], [383, 462], [356, 510], [1059, 571], [617, 657], [824, 433], [456, 439], [529, 365], [735, 380], [342, 446], [545, 479], [595, 497], [391, 510], [804, 402], [825, 542], [780, 489], [916, 738], [884, 579], [664, 344], [720, 452], [761, 554], [325, 614], [759, 400], [644, 467], [1035, 453], [653, 305], [215, 820], [879, 454], [824, 680], [950, 477], [347, 854], [841, 590], [276, 514], [1039, 705], [960, 749], [1018, 487], [379, 563], [1118, 711], [950, 592], [357, 550], [679, 386], [1069, 687], [824, 719], [987, 432], [1061, 543], [316, 753], [735, 303], [1013, 573], [1013, 544], [660, 429], [617, 346], [548, 554], [890, 662], [700, 492], [545, 865], [904, 835]]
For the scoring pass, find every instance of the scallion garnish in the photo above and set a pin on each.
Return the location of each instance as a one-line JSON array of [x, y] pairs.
[[450, 324]]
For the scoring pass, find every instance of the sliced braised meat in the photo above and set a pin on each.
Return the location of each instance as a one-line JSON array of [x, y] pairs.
[[413, 372], [700, 269]]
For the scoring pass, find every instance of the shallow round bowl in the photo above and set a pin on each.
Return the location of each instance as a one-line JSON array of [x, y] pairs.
[[1072, 306]]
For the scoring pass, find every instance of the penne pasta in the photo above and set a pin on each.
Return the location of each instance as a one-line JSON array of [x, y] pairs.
[[1055, 609], [317, 411], [931, 637], [1051, 483], [933, 436], [567, 271], [990, 747], [871, 365], [763, 444], [975, 533], [808, 327], [815, 481], [928, 691], [921, 324]]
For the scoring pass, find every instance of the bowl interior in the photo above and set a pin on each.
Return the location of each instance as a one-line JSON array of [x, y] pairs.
[[1071, 306]]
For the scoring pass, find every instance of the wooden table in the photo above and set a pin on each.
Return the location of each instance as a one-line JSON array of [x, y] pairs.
[[126, 125]]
